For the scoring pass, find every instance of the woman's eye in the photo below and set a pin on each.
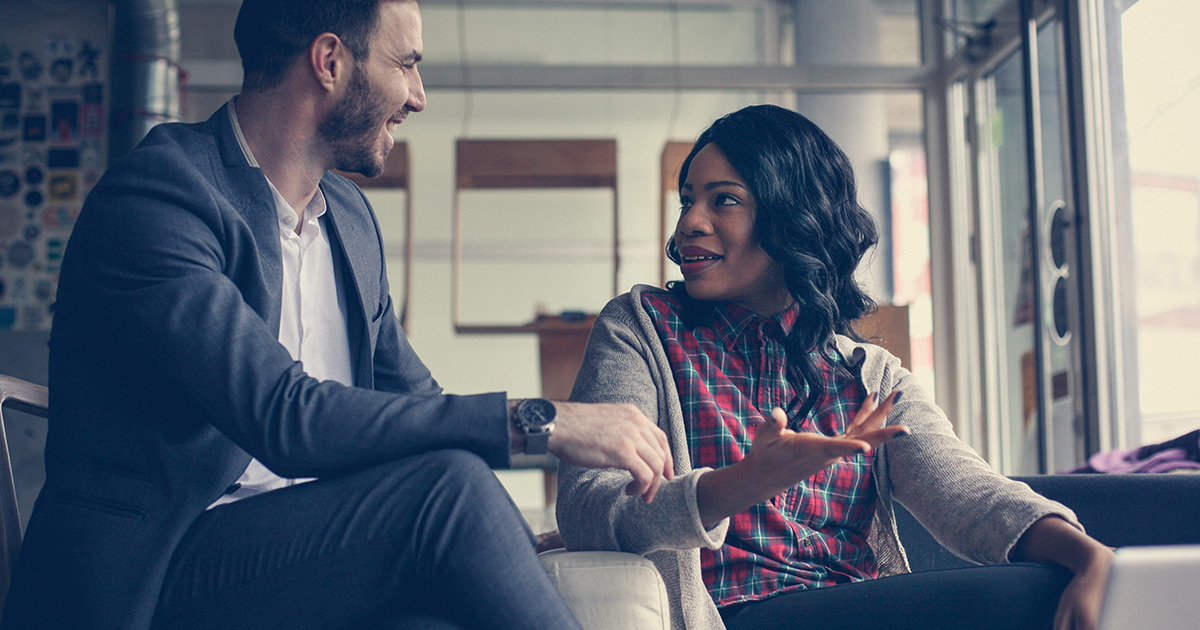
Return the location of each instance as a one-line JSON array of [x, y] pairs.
[[684, 204], [727, 200]]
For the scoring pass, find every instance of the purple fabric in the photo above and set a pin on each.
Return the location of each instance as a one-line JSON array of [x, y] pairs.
[[1181, 453]]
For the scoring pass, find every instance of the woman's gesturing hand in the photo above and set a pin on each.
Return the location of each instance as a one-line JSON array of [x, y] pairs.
[[779, 458]]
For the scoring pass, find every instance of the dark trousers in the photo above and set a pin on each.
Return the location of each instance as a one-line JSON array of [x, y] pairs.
[[431, 541], [997, 597]]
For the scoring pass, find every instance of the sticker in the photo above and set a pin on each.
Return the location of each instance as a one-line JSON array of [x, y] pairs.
[[10, 221], [62, 158], [34, 175], [62, 69], [34, 198], [32, 232], [31, 68], [10, 96], [34, 154], [8, 316], [20, 254], [43, 290], [33, 128], [91, 123], [93, 92], [64, 121], [35, 100], [56, 217], [63, 186], [10, 128], [60, 45], [54, 249], [9, 183], [34, 316], [87, 60], [89, 156]]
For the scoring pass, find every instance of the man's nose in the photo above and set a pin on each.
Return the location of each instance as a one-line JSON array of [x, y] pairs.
[[416, 94]]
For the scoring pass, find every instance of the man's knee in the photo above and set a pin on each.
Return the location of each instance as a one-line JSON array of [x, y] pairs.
[[455, 462]]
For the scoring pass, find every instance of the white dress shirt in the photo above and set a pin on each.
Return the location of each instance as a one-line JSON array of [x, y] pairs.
[[312, 322]]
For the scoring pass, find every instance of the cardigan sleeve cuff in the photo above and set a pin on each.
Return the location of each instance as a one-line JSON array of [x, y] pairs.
[[714, 536]]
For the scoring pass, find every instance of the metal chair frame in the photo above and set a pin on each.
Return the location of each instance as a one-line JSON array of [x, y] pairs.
[[32, 399]]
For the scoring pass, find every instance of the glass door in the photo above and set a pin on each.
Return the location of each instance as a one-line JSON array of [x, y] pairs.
[[1027, 252]]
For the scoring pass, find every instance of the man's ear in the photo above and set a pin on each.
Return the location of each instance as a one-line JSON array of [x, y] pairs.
[[329, 61]]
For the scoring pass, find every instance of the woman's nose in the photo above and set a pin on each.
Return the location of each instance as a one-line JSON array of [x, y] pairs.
[[692, 222]]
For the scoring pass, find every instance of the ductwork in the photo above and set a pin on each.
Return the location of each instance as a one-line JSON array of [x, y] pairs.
[[146, 76]]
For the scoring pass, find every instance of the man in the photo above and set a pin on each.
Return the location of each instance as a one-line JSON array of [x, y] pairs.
[[224, 331]]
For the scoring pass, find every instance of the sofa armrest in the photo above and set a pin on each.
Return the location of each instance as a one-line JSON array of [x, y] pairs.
[[1121, 510], [1117, 510], [610, 590]]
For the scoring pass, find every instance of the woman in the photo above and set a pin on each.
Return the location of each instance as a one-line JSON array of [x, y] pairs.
[[792, 437]]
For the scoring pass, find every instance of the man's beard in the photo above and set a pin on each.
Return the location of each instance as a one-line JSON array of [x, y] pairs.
[[352, 127]]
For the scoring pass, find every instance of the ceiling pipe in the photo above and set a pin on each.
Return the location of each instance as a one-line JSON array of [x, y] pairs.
[[146, 77]]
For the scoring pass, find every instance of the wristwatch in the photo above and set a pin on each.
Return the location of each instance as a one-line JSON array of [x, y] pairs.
[[535, 417]]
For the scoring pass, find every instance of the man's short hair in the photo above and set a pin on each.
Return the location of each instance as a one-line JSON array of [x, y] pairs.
[[271, 34]]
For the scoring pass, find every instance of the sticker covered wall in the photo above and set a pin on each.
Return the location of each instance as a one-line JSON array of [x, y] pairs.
[[54, 64]]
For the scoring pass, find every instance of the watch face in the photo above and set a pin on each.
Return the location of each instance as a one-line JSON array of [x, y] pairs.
[[537, 412]]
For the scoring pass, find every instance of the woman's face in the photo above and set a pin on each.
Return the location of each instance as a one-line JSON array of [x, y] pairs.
[[720, 256]]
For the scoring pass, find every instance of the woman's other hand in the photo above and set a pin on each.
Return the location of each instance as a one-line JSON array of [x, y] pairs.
[[1052, 539], [779, 458]]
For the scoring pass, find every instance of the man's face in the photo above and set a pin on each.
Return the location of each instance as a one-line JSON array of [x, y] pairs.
[[382, 91]]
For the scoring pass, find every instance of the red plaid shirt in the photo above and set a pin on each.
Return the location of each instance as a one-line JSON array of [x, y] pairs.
[[731, 371]]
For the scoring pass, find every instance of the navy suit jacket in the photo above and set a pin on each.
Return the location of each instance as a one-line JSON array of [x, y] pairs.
[[166, 375]]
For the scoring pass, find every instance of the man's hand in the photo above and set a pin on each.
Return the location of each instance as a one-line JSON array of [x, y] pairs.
[[605, 435]]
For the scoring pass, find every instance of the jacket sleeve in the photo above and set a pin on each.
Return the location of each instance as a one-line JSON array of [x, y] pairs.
[[594, 513], [160, 262], [968, 507]]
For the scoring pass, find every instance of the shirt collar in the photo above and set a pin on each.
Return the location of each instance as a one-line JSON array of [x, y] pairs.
[[237, 131], [731, 321]]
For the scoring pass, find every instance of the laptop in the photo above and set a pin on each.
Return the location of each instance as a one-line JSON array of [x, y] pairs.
[[1153, 588]]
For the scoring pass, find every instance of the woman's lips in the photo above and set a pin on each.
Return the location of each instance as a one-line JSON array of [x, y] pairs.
[[694, 259], [693, 267]]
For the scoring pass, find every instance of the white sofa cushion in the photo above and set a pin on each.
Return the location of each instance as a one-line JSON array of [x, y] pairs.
[[610, 590]]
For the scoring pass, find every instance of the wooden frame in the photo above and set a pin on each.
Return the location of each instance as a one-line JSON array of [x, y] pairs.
[[396, 176], [673, 155], [508, 164]]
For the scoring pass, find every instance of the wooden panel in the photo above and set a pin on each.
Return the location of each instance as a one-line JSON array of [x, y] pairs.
[[536, 164], [395, 171], [673, 155], [529, 164], [888, 328], [560, 347]]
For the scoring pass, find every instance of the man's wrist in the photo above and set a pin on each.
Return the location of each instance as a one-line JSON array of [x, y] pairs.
[[516, 435]]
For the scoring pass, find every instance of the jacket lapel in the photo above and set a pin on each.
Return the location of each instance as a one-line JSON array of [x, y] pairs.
[[359, 269], [248, 189]]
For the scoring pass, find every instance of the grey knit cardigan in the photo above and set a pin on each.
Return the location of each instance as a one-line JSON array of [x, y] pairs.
[[972, 510]]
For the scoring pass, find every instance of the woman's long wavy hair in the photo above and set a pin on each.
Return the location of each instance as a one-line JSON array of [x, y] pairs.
[[807, 219]]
